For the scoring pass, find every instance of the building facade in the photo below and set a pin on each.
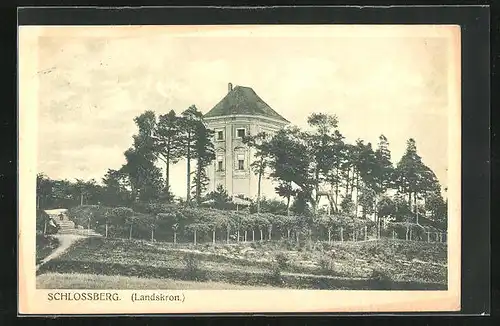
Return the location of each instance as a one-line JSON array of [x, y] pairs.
[[240, 113]]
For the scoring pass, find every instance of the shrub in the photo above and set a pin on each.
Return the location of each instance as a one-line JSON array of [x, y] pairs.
[[326, 266], [281, 260], [381, 279], [192, 267]]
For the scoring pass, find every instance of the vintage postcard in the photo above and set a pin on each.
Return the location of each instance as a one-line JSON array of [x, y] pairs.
[[236, 169]]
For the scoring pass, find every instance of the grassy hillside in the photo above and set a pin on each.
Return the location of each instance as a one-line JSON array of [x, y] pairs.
[[384, 264]]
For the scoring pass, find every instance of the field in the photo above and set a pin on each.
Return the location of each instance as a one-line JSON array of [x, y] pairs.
[[378, 264], [104, 282]]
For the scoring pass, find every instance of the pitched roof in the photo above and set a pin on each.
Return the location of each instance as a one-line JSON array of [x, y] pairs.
[[243, 100]]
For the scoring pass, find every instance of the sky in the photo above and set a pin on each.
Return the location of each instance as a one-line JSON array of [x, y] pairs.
[[93, 82]]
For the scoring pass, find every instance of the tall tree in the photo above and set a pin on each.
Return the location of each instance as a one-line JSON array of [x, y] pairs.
[[260, 144], [43, 191], [290, 162], [321, 144], [190, 119], [414, 178], [383, 177], [144, 176], [334, 175], [168, 142], [204, 154]]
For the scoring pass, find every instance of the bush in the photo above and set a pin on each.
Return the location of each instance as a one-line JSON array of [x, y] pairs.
[[381, 280], [326, 266], [44, 246], [192, 268], [281, 260]]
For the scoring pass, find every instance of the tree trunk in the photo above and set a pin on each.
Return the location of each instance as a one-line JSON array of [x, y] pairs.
[[261, 235], [253, 235], [347, 182], [188, 167], [130, 233], [45, 228], [194, 236], [288, 206], [416, 207], [341, 234], [270, 232], [366, 232], [227, 235], [357, 193], [258, 185], [167, 170], [428, 237], [152, 235], [245, 235], [198, 183], [106, 230], [316, 188], [393, 235], [213, 236], [175, 237], [238, 235], [407, 232], [411, 233], [336, 190], [81, 199], [329, 235], [288, 233]]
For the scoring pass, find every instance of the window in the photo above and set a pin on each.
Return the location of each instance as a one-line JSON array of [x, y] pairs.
[[220, 135], [220, 166], [241, 162], [240, 133]]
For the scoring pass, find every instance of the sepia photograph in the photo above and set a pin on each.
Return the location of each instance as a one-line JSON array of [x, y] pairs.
[[285, 159]]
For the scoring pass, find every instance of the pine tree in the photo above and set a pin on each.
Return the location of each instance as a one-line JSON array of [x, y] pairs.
[[190, 119], [260, 143], [204, 154], [168, 143]]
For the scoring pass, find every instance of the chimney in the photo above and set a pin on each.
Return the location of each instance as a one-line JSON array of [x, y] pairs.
[[229, 87]]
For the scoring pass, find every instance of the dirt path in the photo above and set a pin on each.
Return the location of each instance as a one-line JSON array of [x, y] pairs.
[[65, 241]]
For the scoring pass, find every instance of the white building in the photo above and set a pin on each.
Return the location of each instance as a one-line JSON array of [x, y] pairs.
[[241, 112]]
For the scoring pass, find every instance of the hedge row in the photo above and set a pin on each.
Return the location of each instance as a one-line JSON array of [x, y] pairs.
[[170, 222]]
